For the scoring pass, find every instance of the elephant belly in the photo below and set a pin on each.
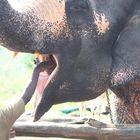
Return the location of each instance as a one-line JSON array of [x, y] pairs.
[[127, 109]]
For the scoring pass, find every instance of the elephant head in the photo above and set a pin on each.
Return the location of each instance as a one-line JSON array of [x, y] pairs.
[[81, 38]]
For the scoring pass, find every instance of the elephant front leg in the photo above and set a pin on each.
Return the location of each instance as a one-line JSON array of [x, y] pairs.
[[127, 103], [56, 79]]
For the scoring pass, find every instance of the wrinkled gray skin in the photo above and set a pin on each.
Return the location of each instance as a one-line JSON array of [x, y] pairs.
[[95, 45]]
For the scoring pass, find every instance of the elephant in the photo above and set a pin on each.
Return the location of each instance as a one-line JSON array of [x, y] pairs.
[[93, 44]]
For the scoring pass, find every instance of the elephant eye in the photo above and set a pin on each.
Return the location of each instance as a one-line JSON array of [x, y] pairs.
[[78, 12], [77, 5]]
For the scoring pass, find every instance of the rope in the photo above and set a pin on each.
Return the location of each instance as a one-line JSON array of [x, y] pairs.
[[109, 106]]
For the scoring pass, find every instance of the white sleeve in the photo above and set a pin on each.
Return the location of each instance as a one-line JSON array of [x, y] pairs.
[[11, 113]]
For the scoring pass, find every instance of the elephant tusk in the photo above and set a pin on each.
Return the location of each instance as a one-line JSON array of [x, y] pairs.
[[14, 54], [36, 54], [41, 57]]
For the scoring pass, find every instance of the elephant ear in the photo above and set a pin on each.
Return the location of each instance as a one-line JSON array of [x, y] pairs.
[[78, 12], [126, 54]]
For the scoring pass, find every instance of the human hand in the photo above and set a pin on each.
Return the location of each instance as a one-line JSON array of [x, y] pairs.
[[12, 133]]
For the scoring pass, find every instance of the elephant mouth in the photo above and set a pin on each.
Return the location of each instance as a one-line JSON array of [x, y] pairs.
[[46, 75], [46, 57]]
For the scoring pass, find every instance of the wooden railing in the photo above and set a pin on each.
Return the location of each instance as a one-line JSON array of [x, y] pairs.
[[66, 129]]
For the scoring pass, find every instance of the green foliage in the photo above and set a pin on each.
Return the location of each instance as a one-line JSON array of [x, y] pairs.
[[14, 72]]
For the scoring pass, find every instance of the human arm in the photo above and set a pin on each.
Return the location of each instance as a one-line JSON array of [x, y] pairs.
[[30, 89], [9, 115]]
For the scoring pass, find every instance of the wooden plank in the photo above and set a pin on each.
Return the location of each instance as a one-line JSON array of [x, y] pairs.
[[77, 131]]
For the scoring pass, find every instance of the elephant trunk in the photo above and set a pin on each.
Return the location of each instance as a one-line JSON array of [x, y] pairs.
[[10, 22], [27, 27]]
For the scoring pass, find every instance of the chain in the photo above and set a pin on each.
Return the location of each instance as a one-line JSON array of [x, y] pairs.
[[111, 117]]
